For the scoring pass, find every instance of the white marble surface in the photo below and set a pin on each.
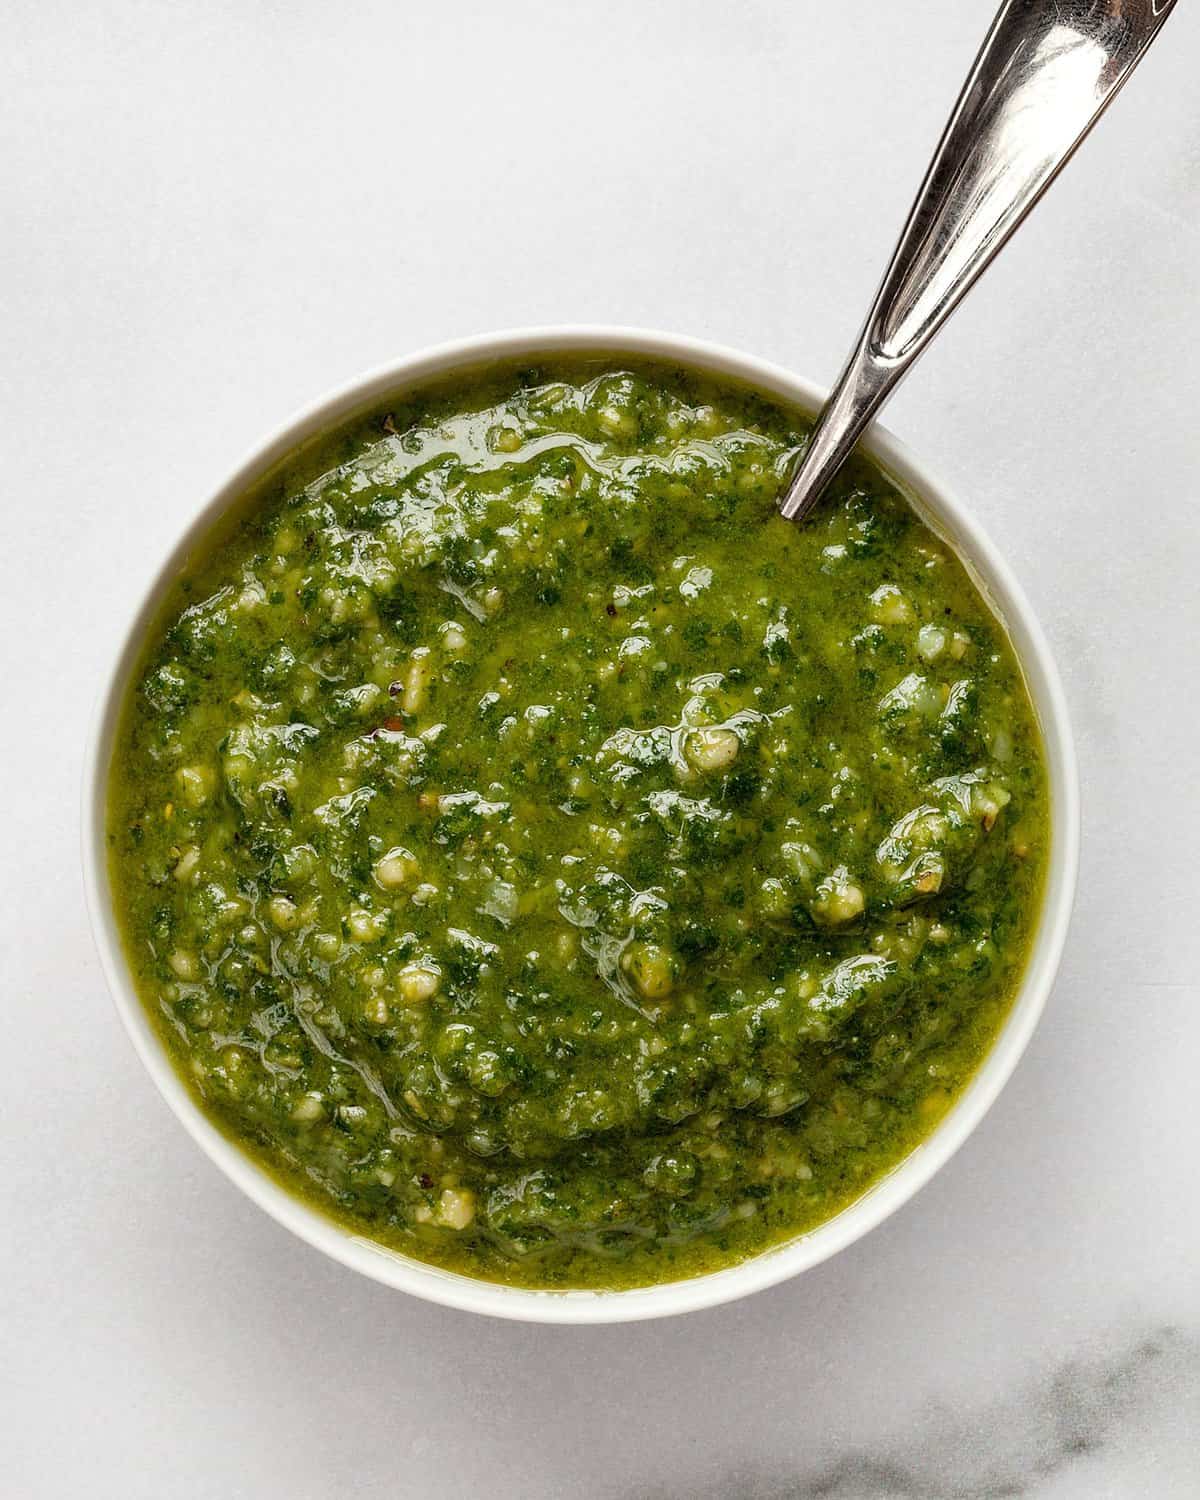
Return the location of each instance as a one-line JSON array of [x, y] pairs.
[[212, 210]]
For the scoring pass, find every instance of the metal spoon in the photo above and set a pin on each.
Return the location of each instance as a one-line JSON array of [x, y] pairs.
[[1045, 73]]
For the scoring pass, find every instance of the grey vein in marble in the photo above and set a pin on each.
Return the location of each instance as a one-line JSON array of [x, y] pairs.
[[1010, 1449]]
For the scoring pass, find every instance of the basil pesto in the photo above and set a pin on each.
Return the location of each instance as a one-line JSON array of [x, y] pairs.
[[549, 862]]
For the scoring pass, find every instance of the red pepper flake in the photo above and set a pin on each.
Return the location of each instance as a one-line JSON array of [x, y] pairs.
[[394, 722], [395, 688], [425, 1180]]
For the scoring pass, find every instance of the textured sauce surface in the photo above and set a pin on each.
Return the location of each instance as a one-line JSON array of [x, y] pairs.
[[547, 861]]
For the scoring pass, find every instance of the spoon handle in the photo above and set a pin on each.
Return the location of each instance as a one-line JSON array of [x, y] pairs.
[[1045, 73]]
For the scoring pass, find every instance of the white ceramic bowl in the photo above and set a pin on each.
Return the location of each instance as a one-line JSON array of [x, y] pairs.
[[945, 513]]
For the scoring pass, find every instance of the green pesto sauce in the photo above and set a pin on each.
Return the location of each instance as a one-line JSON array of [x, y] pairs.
[[550, 863]]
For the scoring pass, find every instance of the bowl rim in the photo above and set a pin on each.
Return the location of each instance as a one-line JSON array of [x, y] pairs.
[[938, 504]]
